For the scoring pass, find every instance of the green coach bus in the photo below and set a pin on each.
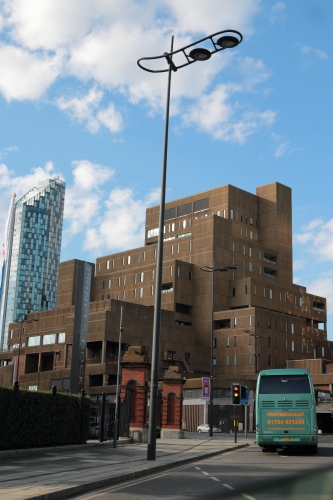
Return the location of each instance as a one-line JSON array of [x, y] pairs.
[[286, 410]]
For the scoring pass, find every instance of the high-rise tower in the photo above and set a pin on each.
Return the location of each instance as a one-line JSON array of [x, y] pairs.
[[35, 253]]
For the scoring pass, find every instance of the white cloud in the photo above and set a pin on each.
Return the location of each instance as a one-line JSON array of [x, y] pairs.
[[306, 50], [121, 226], [25, 75], [83, 200], [100, 42], [277, 12], [323, 287], [86, 109], [215, 114], [318, 236], [282, 149]]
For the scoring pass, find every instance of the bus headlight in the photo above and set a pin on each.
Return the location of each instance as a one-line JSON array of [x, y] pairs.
[[315, 428]]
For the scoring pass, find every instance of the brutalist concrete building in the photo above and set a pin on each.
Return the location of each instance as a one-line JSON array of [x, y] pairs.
[[220, 227]]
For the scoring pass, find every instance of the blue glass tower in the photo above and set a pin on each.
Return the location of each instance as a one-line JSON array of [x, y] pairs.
[[35, 253]]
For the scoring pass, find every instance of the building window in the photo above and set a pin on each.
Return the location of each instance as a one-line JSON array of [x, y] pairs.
[[153, 274], [264, 292], [245, 289], [214, 342], [118, 296], [231, 214], [134, 293], [109, 283], [235, 341], [292, 346], [280, 296], [235, 322], [269, 341], [286, 327], [228, 341], [285, 297], [141, 293], [233, 247], [292, 328], [171, 271], [214, 361], [124, 295], [250, 320], [269, 323], [244, 250], [251, 221], [251, 235], [128, 259], [124, 280], [323, 352], [152, 289], [190, 245], [118, 281], [227, 360], [123, 260], [270, 293], [235, 360], [142, 277], [233, 291], [249, 359], [155, 253], [107, 264], [99, 266], [286, 345], [244, 265], [300, 302], [250, 267], [241, 231]]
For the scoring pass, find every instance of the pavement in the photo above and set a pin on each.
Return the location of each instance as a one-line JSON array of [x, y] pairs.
[[60, 472]]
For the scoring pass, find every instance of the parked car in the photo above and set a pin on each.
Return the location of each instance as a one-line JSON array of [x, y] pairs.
[[205, 428]]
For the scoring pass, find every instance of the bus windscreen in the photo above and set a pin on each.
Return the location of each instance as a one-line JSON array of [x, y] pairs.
[[285, 384]]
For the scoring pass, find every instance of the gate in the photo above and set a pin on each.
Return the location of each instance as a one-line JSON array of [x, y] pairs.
[[124, 414]]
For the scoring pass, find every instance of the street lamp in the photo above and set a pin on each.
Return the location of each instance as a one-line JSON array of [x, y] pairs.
[[21, 321], [209, 269], [196, 54], [257, 347]]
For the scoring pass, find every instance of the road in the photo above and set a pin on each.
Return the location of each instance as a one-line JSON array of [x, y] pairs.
[[247, 473]]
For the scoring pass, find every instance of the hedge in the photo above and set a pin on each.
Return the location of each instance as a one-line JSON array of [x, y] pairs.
[[31, 419]]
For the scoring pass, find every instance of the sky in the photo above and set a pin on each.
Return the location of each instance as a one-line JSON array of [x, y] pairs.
[[74, 104]]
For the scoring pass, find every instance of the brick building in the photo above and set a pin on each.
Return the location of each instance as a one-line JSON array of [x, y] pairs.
[[222, 226]]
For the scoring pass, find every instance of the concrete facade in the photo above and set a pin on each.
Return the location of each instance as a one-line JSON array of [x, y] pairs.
[[222, 226]]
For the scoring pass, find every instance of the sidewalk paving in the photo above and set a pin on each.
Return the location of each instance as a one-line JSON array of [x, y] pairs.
[[56, 473]]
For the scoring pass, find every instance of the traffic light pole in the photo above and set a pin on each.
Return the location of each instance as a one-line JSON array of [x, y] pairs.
[[235, 424]]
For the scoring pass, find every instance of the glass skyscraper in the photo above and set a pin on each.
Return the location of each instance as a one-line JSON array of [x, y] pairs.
[[35, 254]]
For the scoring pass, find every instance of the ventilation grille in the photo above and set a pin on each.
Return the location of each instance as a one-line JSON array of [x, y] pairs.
[[284, 404], [201, 205], [302, 404], [170, 213], [268, 404], [57, 383], [184, 209]]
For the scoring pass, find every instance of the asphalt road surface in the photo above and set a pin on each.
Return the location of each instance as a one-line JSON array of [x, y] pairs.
[[244, 474]]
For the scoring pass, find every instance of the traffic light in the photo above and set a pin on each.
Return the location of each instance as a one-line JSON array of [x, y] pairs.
[[235, 393]]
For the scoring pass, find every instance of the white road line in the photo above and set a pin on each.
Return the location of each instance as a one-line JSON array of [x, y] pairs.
[[197, 468], [206, 473], [228, 486], [248, 497], [215, 478]]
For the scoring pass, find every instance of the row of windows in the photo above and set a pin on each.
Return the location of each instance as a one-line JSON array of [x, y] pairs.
[[170, 228], [248, 220], [140, 277], [52, 338]]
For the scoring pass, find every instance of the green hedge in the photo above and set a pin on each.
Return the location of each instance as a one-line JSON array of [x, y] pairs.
[[30, 419]]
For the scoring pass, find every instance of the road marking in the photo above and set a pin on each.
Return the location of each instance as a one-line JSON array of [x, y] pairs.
[[197, 468], [206, 473], [215, 478], [229, 487], [248, 497]]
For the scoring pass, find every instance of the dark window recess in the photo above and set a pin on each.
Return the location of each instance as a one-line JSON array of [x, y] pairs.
[[284, 384], [307, 322], [46, 362], [183, 323], [184, 209], [201, 205], [233, 291], [224, 324], [183, 309], [318, 306], [271, 273], [95, 380], [170, 213], [270, 258], [188, 358], [167, 286], [65, 384]]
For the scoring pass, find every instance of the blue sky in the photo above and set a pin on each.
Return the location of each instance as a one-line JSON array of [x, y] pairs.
[[74, 103]]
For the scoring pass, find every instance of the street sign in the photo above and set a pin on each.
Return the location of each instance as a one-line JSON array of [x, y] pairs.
[[205, 388], [244, 395]]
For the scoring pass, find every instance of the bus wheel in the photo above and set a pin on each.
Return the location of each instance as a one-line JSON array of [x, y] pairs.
[[264, 450]]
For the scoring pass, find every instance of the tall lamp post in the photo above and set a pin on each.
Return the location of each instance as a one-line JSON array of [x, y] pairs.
[[190, 56], [212, 270], [257, 346], [21, 321]]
